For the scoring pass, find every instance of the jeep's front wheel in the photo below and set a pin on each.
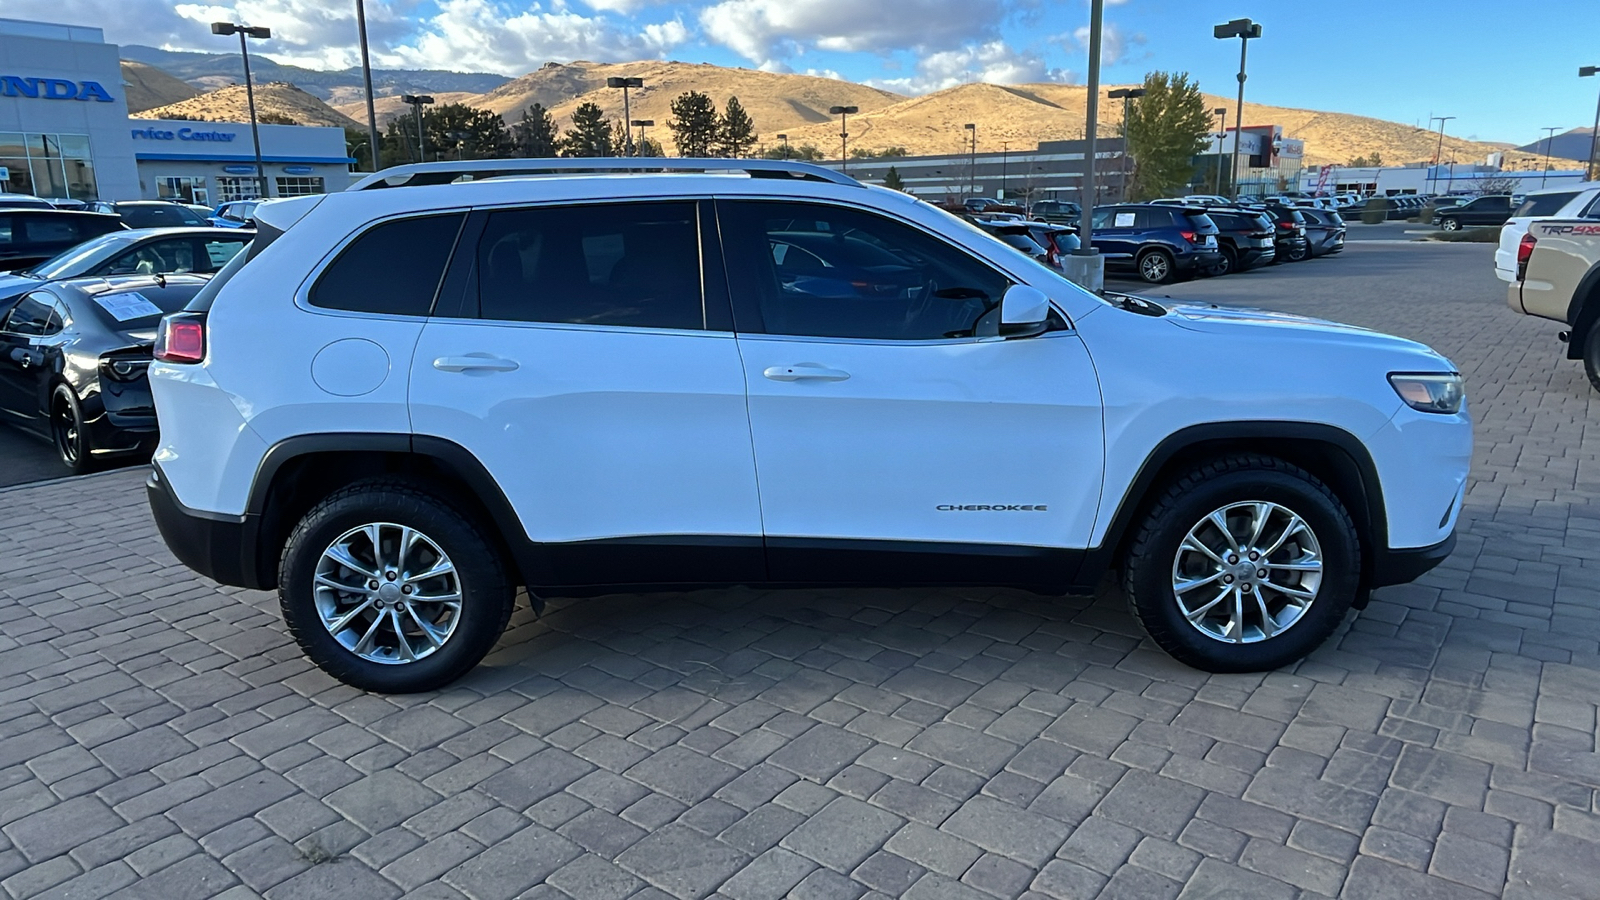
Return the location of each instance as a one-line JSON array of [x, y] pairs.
[[1244, 564], [388, 589]]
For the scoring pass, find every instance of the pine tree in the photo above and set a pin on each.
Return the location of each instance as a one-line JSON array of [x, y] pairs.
[[535, 136], [651, 147], [694, 124], [1166, 128], [455, 128], [892, 181], [620, 138], [590, 135], [735, 131]]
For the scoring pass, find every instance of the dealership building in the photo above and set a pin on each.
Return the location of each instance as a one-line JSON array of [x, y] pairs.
[[65, 132]]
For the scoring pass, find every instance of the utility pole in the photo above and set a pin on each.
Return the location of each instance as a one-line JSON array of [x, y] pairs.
[[1005, 165], [627, 114], [1550, 135], [366, 78], [843, 112], [642, 124], [1438, 154], [259, 31], [785, 139], [1244, 30]]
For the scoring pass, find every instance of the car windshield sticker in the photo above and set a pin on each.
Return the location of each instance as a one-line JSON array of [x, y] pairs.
[[131, 305], [1124, 220]]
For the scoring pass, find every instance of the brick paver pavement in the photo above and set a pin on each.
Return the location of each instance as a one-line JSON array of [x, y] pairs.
[[163, 738]]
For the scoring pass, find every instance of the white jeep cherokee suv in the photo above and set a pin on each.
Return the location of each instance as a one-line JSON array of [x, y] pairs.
[[408, 399]]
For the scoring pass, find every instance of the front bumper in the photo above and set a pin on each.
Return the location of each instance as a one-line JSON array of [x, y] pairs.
[[1391, 566], [218, 546]]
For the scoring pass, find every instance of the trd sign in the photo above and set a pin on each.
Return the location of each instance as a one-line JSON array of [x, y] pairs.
[[52, 89]]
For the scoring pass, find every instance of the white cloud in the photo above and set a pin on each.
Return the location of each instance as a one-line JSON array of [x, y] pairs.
[[477, 35], [1115, 47], [757, 29], [993, 62]]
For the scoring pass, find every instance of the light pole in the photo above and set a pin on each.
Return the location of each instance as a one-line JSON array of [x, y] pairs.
[[1086, 269], [1244, 30], [1005, 160], [843, 112], [417, 102], [259, 31], [366, 78], [1550, 135], [972, 161], [785, 139], [1438, 154], [642, 124], [1222, 135], [627, 113], [1126, 95], [1592, 170]]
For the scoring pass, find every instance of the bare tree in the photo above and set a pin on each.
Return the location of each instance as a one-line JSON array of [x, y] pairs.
[[1499, 184]]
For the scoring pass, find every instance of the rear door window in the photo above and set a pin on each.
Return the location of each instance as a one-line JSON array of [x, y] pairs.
[[34, 316], [626, 264], [394, 268], [1545, 204]]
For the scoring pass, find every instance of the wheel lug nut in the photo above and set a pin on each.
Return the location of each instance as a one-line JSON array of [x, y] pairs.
[[373, 584], [1232, 558], [1227, 579], [389, 575], [406, 589], [1254, 555], [1247, 588], [1261, 573]]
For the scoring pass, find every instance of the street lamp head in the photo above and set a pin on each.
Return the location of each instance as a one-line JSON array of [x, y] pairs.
[[1126, 93], [1238, 28], [783, 137], [258, 31], [1586, 71], [1219, 111], [970, 126], [842, 110], [624, 82], [643, 123], [224, 28], [416, 99]]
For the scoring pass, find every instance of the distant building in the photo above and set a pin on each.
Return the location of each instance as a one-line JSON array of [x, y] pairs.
[[1421, 178], [1052, 171], [65, 132]]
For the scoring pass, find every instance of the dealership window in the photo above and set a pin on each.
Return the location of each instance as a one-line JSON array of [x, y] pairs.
[[47, 165], [233, 187], [183, 188], [299, 187]]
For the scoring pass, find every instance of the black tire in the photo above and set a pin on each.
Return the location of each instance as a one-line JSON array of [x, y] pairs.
[[1228, 264], [486, 594], [1450, 223], [1156, 267], [1152, 560], [1299, 253], [69, 435], [1591, 355]]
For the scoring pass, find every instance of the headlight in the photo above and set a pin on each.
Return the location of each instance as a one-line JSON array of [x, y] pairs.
[[1430, 392]]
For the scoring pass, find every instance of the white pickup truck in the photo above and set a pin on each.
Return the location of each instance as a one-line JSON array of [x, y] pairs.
[[1558, 277]]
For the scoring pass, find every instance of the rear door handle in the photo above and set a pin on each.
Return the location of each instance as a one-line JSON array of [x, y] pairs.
[[474, 363], [804, 372]]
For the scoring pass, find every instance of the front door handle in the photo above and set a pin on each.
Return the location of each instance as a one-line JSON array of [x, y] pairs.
[[474, 363], [804, 372]]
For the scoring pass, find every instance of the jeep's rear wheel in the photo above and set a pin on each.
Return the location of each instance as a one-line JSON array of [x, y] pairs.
[[388, 589], [1244, 564], [1591, 355]]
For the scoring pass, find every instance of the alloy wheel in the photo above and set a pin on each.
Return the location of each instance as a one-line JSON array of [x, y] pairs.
[[1154, 268], [387, 593], [1247, 572], [64, 427]]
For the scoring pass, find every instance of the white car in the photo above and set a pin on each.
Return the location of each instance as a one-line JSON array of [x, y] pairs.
[[1570, 202], [411, 397]]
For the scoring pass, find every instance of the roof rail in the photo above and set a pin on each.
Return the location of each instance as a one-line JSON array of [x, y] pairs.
[[447, 172]]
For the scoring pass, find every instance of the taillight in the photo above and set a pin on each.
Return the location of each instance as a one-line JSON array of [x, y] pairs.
[[1286, 226], [1189, 236], [1524, 253], [182, 338]]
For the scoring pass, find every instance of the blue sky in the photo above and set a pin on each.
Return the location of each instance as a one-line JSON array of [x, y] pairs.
[[1504, 69]]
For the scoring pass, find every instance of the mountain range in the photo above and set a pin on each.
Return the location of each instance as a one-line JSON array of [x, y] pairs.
[[1016, 117]]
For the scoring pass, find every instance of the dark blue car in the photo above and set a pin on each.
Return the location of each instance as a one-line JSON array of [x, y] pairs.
[[1158, 243]]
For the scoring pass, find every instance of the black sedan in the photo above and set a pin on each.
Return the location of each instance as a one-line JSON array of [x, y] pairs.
[[141, 251], [73, 356]]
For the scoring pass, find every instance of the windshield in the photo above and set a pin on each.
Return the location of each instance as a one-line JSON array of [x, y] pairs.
[[159, 215], [80, 259]]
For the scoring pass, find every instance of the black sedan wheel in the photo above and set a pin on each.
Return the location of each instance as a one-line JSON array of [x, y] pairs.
[[67, 431]]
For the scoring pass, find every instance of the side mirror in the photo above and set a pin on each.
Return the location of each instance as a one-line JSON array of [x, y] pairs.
[[1024, 311]]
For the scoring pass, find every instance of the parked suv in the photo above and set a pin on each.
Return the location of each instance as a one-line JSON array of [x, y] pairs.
[[31, 236], [1244, 238], [1289, 232], [404, 401], [1159, 243], [1060, 212]]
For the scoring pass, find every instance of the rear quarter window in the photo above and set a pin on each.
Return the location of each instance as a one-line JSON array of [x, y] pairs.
[[394, 268]]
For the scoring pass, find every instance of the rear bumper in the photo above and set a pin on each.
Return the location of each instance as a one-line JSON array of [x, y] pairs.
[[1391, 566], [217, 546]]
